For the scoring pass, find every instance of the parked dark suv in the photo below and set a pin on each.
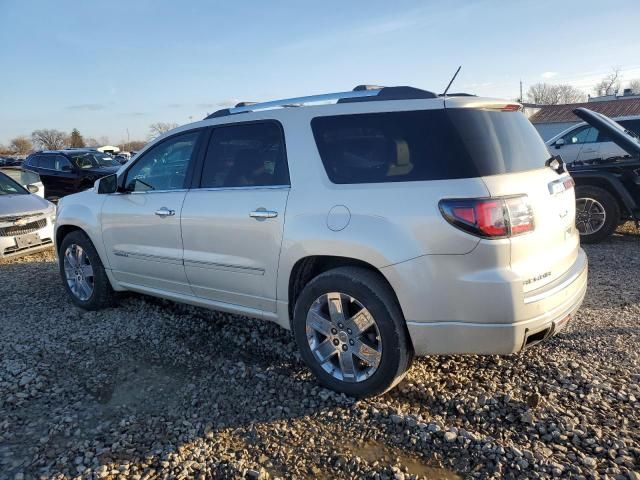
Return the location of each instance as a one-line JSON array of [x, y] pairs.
[[69, 171]]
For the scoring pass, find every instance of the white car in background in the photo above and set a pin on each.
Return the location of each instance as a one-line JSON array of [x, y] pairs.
[[26, 220], [584, 142], [29, 180]]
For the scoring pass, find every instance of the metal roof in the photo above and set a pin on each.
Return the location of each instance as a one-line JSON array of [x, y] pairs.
[[564, 113]]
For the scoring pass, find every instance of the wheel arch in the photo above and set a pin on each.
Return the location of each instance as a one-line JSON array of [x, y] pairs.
[[307, 268], [611, 184], [76, 216]]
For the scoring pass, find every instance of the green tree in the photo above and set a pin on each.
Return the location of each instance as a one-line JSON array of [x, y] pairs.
[[76, 140]]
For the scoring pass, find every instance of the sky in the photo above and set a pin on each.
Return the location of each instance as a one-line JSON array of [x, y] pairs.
[[120, 65]]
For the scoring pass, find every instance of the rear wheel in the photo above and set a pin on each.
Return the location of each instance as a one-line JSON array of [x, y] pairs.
[[83, 274], [597, 213], [351, 332]]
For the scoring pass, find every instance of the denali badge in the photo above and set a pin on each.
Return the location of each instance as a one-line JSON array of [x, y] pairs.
[[537, 278]]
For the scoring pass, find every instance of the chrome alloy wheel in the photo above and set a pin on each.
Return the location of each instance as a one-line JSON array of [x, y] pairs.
[[590, 216], [78, 271], [343, 337]]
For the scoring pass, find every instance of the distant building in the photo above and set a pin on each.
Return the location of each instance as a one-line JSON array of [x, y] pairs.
[[550, 120], [108, 149]]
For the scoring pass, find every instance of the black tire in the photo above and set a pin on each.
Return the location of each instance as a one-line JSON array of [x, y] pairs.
[[102, 295], [370, 289], [611, 210]]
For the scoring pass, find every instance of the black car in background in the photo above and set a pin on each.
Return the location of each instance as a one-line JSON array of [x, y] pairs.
[[9, 162], [64, 172], [607, 189]]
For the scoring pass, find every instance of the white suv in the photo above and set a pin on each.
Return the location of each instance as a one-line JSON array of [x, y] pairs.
[[376, 224]]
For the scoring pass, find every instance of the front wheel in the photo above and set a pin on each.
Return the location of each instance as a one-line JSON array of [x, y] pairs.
[[597, 213], [351, 332], [83, 274]]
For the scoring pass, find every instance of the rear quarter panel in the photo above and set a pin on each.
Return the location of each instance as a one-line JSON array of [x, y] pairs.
[[385, 223]]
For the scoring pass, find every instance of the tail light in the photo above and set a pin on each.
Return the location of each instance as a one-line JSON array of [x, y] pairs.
[[500, 217]]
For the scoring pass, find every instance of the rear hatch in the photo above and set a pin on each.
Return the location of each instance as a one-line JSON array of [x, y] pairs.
[[511, 159]]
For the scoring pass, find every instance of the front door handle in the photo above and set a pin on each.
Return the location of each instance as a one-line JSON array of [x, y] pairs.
[[165, 212], [261, 214]]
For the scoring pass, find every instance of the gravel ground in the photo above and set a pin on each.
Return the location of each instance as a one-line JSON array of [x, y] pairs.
[[152, 389]]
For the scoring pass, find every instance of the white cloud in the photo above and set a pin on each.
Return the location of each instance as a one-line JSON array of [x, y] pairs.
[[549, 75]]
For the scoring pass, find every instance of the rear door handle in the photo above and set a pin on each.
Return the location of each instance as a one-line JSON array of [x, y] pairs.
[[261, 214], [165, 212]]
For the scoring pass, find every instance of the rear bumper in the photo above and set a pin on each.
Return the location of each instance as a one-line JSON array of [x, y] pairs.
[[528, 319]]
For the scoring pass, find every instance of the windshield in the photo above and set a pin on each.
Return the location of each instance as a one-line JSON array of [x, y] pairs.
[[9, 187], [94, 160]]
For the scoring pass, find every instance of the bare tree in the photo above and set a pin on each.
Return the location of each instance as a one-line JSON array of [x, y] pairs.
[[609, 85], [634, 85], [21, 145], [548, 94], [91, 142], [159, 128], [49, 139]]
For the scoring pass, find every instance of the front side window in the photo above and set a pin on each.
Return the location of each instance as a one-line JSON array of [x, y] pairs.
[[246, 155], [47, 161], [89, 160], [581, 135], [164, 166], [62, 164]]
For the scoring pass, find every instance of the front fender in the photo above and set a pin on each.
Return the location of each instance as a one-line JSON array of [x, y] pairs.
[[82, 211]]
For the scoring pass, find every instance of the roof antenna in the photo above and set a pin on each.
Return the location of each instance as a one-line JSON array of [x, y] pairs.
[[444, 94]]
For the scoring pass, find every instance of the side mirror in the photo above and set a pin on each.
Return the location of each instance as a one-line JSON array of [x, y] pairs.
[[559, 143], [108, 184], [33, 188]]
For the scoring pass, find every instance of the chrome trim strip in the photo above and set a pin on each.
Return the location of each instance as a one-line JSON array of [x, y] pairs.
[[223, 266], [151, 191], [265, 187], [146, 256]]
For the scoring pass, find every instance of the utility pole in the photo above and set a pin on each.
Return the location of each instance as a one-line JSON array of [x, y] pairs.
[[521, 99]]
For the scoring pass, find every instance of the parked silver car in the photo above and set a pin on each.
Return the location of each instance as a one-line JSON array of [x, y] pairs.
[[26, 219], [377, 224], [583, 142]]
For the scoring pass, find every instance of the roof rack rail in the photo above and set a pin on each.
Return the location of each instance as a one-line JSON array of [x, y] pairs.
[[458, 94], [361, 93]]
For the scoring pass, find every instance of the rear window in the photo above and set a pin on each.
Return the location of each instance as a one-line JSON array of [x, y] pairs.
[[426, 145]]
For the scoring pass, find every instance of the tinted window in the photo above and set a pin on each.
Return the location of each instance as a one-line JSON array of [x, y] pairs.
[[62, 164], [426, 145], [163, 167], [87, 160], [46, 161], [246, 155], [581, 135]]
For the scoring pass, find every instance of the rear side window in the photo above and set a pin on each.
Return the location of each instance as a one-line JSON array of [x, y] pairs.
[[46, 161], [426, 145], [246, 155]]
